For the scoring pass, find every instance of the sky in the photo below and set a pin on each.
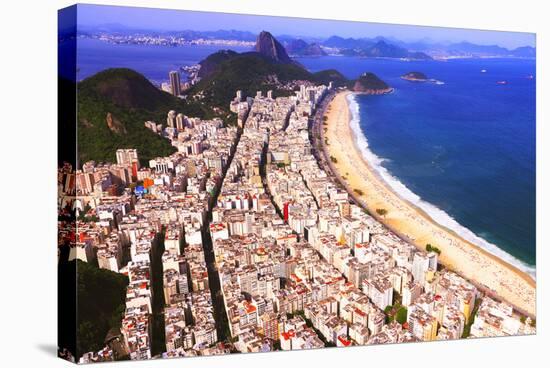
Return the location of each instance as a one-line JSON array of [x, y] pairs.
[[174, 20]]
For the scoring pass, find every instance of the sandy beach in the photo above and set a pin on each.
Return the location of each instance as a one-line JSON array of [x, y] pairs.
[[458, 254]]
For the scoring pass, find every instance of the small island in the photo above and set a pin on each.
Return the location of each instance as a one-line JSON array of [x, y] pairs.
[[369, 83], [415, 77]]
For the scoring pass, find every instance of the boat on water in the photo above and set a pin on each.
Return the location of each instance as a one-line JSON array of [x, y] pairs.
[[502, 82], [530, 76], [484, 70]]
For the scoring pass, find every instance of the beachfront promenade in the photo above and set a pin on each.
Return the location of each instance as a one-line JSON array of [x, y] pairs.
[[496, 277]]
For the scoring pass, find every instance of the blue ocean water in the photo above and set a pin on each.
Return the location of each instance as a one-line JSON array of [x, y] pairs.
[[463, 150], [154, 62]]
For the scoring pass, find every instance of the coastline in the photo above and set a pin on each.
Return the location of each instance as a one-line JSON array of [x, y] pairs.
[[485, 269]]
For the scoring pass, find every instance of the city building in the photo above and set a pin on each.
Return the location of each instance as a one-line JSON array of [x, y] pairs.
[[175, 83]]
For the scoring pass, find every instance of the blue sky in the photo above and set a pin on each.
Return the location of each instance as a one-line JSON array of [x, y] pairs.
[[167, 20]]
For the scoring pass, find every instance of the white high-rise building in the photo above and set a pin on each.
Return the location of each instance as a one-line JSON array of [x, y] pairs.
[[379, 290], [421, 264], [180, 121], [311, 96], [171, 119], [303, 91], [127, 157], [432, 260]]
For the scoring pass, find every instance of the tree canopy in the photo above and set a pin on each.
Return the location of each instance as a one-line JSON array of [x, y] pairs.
[[101, 304]]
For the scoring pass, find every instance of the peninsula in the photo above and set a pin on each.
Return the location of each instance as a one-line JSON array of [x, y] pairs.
[[369, 83]]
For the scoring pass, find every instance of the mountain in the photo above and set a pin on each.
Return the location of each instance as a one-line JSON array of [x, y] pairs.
[[330, 75], [255, 71], [126, 88], [251, 72], [466, 49], [369, 83], [285, 39], [210, 65], [348, 43], [301, 48], [383, 49], [268, 46], [293, 47], [525, 51], [377, 47], [261, 70], [470, 48], [112, 108], [417, 55], [314, 49], [119, 29], [347, 46]]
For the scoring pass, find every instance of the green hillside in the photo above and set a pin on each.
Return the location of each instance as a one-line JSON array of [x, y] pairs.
[[331, 75], [101, 303], [112, 108], [114, 104], [369, 82], [211, 63], [251, 72]]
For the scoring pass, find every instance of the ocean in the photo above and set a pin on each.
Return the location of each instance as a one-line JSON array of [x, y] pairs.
[[462, 149], [154, 62]]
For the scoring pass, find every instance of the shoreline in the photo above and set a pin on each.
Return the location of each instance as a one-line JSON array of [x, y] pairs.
[[407, 220]]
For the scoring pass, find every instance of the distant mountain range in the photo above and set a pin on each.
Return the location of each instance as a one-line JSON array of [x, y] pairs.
[[384, 47], [299, 47], [308, 46], [121, 30], [471, 49]]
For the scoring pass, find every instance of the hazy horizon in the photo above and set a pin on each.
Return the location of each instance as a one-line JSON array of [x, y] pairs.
[[166, 20]]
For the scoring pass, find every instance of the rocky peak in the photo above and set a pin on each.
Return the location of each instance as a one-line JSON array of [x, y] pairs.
[[269, 47]]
